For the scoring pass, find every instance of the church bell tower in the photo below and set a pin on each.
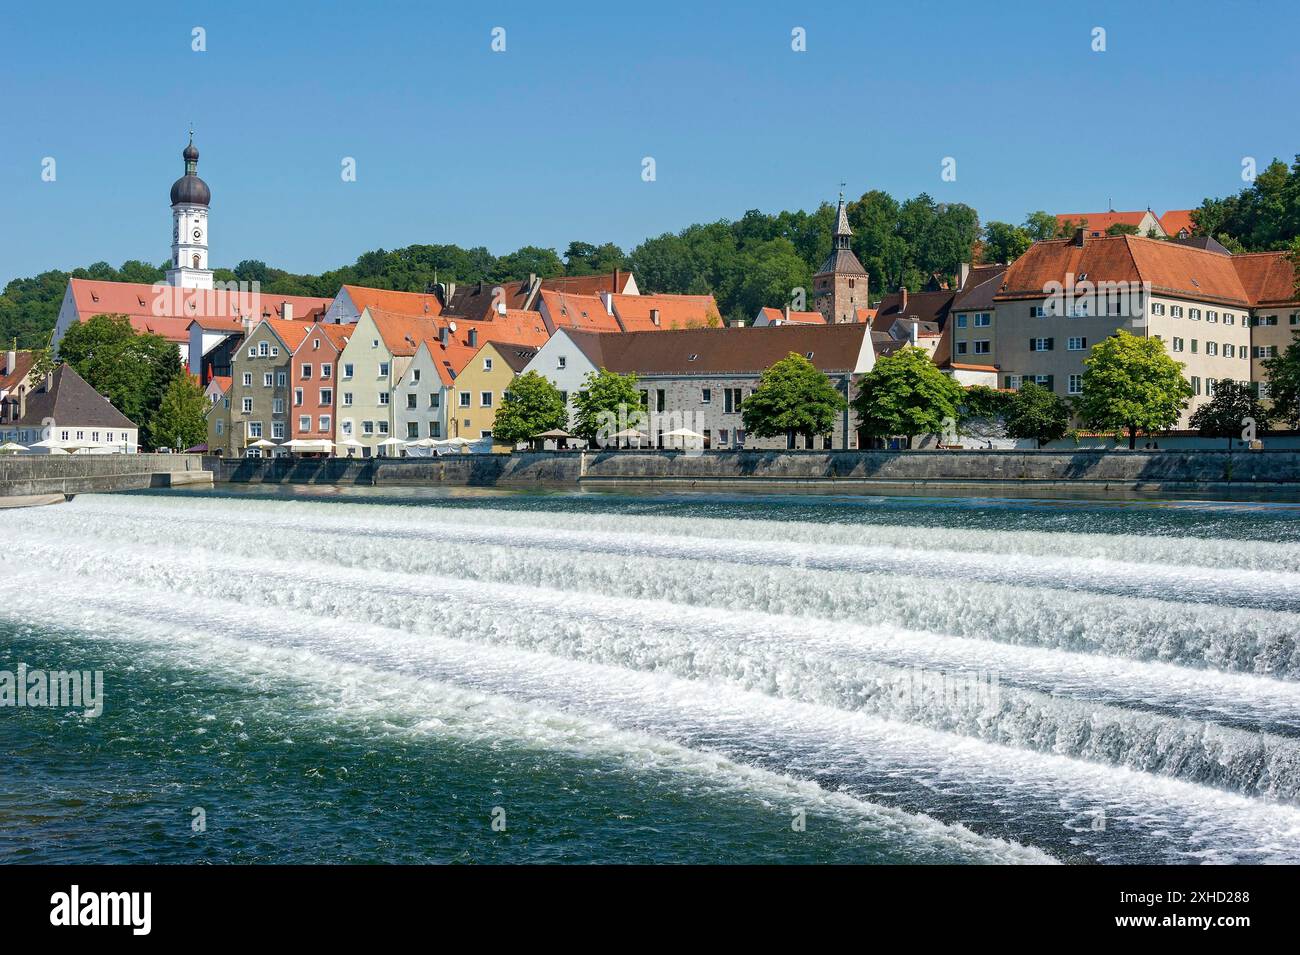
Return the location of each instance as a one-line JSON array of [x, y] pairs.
[[190, 198]]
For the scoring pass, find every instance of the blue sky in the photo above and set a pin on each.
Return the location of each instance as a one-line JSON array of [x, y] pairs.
[[543, 144]]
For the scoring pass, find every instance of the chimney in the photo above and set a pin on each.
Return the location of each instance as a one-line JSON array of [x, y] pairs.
[[787, 312], [737, 323], [902, 300], [617, 273], [473, 338], [654, 317], [1080, 237], [607, 300], [11, 359], [914, 332], [963, 275], [286, 309]]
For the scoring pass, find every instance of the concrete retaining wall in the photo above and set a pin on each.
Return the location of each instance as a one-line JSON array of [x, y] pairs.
[[1148, 470], [26, 474]]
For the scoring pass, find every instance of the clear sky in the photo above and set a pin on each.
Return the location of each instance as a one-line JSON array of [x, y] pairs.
[[543, 143]]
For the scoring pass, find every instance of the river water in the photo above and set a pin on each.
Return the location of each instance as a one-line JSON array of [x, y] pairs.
[[312, 675]]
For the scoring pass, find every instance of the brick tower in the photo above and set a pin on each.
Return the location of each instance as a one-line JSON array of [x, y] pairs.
[[840, 287]]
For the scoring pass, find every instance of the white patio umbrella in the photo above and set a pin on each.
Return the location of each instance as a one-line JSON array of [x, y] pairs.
[[422, 443], [12, 447], [263, 443], [685, 434], [629, 434], [351, 443]]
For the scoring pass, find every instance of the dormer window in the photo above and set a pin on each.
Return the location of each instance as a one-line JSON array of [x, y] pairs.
[[692, 357]]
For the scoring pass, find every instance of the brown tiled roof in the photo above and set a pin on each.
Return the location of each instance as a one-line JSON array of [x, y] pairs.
[[675, 311], [614, 282], [924, 306], [1172, 268], [69, 400], [1269, 278], [718, 351], [10, 378], [476, 300], [515, 354], [981, 285]]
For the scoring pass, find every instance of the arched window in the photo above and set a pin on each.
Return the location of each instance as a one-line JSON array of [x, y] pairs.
[[196, 260]]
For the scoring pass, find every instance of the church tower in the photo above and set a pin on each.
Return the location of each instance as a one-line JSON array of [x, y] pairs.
[[840, 287], [190, 197]]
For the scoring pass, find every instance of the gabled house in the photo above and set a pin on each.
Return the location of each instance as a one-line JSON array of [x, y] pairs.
[[62, 412], [312, 377], [645, 313], [378, 352], [352, 300], [785, 316], [480, 388], [16, 381], [259, 388], [1096, 223]]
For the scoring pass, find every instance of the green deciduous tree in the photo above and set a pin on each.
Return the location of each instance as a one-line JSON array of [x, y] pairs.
[[1284, 384], [1035, 412], [1132, 385], [131, 369], [180, 421], [792, 397], [531, 405], [1234, 409], [606, 397], [1004, 242], [905, 394]]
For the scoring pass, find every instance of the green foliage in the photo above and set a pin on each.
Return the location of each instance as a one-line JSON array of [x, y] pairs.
[[1038, 413], [792, 397], [180, 421], [531, 405], [605, 394], [981, 402], [1224, 416], [1284, 384], [905, 394], [1122, 228], [43, 363], [1040, 226], [131, 369], [1131, 384], [583, 258], [1265, 216], [1004, 242]]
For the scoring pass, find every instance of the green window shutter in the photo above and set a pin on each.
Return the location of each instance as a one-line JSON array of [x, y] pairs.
[[1049, 386]]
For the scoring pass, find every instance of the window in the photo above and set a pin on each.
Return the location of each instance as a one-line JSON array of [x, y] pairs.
[[306, 372], [961, 348], [277, 406], [248, 379], [374, 343], [1076, 344], [1295, 318], [411, 401], [267, 379], [415, 376], [326, 397], [983, 346], [706, 396], [660, 399], [561, 362], [1044, 381], [1229, 350], [263, 349], [297, 397], [315, 344], [1196, 384], [347, 429], [383, 369], [347, 399], [383, 398], [221, 426], [1038, 311], [1194, 314], [1075, 385], [281, 379], [367, 427], [730, 400], [254, 429], [485, 399], [326, 422], [961, 321], [347, 370], [1040, 344], [1209, 386], [412, 430], [326, 370], [252, 351], [1177, 344], [304, 423], [1265, 320], [1211, 315], [983, 320], [1195, 343], [464, 399], [1157, 308], [247, 406], [275, 351], [435, 429], [435, 400], [487, 364], [1265, 351], [383, 427], [1175, 311], [1211, 348]]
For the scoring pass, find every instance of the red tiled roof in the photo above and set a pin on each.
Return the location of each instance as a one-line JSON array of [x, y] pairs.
[[585, 312], [336, 334], [795, 318], [675, 311], [10, 378], [1176, 220], [398, 303], [171, 313], [402, 333], [1268, 277], [1100, 221]]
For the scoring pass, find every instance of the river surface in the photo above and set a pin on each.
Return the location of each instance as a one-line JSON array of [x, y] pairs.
[[390, 675]]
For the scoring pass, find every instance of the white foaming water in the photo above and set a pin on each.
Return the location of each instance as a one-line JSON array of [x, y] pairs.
[[1154, 747]]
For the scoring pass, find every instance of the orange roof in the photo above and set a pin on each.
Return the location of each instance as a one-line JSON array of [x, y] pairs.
[[1176, 220], [517, 326], [578, 311], [674, 311], [1101, 221], [387, 300], [336, 334], [614, 282], [1268, 277], [290, 332], [795, 318], [222, 382], [401, 332], [11, 378], [168, 311], [1170, 267]]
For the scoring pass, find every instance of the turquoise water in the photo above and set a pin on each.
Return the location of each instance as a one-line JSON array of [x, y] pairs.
[[379, 676]]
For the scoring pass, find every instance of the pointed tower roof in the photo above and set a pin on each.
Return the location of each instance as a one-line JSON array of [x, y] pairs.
[[842, 220], [842, 261]]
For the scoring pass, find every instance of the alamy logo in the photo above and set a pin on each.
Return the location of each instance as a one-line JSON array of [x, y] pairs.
[[103, 908], [54, 689]]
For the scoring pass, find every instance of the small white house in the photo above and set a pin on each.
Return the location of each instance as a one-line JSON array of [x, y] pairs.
[[63, 413]]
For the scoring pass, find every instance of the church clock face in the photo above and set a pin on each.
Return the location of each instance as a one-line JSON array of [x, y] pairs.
[[198, 233]]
